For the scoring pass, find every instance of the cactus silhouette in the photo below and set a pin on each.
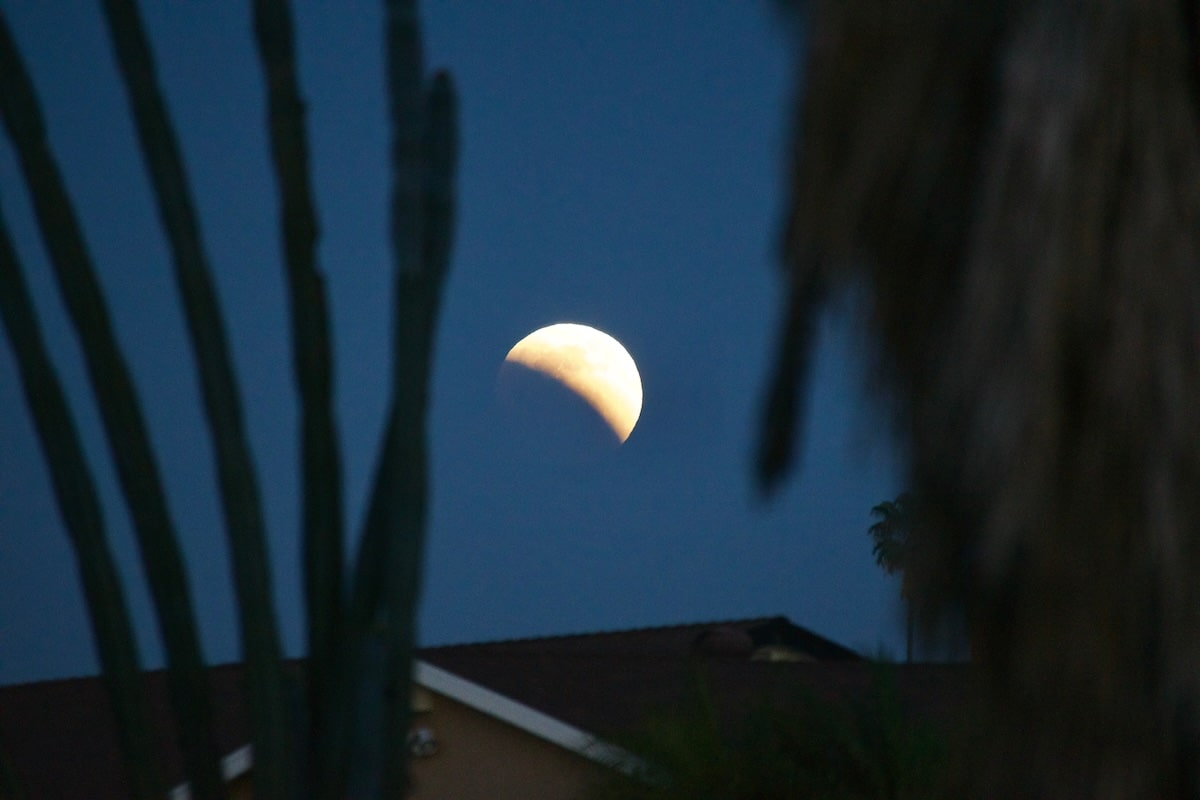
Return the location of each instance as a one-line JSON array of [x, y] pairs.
[[352, 720]]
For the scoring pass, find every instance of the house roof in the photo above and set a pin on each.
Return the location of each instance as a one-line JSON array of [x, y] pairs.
[[565, 689], [608, 682], [59, 737]]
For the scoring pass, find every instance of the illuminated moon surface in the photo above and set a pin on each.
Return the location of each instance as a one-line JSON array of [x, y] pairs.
[[590, 363]]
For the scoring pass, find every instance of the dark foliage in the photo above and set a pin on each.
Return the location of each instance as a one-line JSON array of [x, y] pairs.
[[805, 746], [1017, 187]]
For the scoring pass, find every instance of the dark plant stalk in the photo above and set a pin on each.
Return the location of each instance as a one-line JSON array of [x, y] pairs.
[[137, 471], [406, 481], [320, 460], [265, 688], [124, 428], [78, 502], [417, 304], [375, 688], [397, 502]]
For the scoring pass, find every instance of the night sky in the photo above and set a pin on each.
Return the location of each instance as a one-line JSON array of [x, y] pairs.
[[622, 166]]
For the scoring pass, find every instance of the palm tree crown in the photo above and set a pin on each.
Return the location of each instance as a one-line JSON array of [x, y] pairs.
[[891, 532]]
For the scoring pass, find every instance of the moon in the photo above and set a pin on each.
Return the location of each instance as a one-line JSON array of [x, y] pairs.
[[590, 363]]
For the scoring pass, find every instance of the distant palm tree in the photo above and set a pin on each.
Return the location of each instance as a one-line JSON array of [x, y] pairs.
[[891, 535]]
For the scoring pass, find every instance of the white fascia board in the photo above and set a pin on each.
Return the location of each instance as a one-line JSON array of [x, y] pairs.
[[234, 765], [519, 715], [481, 699]]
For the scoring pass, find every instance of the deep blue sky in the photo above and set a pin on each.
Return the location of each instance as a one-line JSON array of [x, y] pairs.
[[621, 167]]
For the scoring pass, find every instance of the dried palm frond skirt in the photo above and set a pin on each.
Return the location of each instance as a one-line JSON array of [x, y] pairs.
[[1015, 189]]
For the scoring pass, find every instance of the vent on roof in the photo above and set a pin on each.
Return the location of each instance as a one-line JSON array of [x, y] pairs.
[[725, 641], [779, 652]]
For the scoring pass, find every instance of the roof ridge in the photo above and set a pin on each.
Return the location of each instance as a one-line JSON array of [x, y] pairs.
[[155, 672], [611, 632]]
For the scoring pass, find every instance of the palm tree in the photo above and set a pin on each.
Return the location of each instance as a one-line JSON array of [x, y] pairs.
[[1011, 187], [891, 537]]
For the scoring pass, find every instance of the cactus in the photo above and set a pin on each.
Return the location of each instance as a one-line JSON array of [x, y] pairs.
[[360, 648], [123, 422], [380, 629], [235, 473], [79, 505], [321, 475]]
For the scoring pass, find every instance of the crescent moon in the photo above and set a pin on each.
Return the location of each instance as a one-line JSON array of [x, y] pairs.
[[590, 363]]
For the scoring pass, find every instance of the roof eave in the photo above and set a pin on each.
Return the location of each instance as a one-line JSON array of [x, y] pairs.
[[486, 701]]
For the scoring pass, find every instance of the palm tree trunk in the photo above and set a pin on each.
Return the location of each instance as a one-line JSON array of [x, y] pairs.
[[908, 632]]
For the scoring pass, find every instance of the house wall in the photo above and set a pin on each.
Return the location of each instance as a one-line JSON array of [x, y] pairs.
[[240, 788], [481, 758]]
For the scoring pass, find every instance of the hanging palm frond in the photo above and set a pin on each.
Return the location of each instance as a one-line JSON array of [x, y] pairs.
[[1017, 186]]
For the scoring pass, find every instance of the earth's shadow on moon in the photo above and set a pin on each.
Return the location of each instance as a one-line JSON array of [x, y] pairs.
[[555, 424]]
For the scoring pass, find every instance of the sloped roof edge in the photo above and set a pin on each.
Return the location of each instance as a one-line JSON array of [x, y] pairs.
[[605, 633], [517, 714], [233, 766], [482, 699]]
